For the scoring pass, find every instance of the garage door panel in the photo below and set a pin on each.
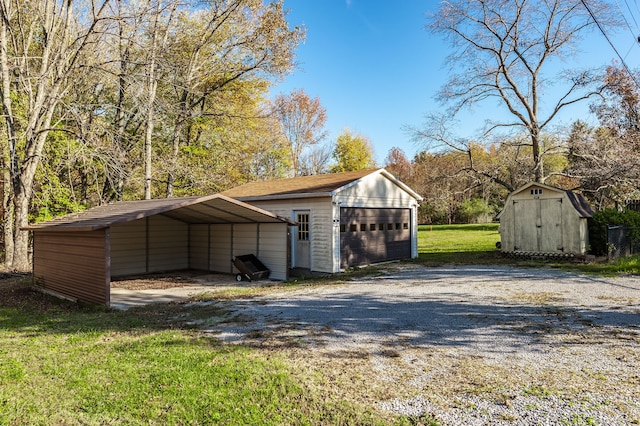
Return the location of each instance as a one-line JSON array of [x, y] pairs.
[[374, 235]]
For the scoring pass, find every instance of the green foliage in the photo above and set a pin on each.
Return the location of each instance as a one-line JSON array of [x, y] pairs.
[[598, 227], [352, 152], [474, 209], [56, 178]]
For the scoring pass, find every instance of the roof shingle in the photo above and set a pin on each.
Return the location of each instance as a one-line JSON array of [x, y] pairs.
[[316, 184]]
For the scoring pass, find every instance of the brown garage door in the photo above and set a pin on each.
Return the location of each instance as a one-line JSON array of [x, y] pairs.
[[374, 235]]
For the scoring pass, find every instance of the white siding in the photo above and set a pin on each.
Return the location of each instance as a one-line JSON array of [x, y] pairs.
[[128, 248], [323, 238], [374, 191]]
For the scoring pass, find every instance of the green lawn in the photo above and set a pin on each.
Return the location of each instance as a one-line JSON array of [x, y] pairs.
[[457, 238], [476, 244], [439, 244], [65, 364]]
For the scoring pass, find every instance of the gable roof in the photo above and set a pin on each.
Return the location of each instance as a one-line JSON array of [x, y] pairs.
[[197, 209], [578, 202], [325, 185]]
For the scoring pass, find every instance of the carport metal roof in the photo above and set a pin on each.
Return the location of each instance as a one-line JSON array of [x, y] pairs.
[[211, 209]]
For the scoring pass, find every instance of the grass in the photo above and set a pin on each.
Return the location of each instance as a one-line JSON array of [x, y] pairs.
[[458, 244], [476, 244], [65, 364]]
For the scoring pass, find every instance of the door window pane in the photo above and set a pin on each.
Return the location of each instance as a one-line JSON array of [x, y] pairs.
[[303, 226]]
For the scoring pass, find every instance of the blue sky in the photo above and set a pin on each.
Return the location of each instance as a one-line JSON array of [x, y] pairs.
[[376, 69]]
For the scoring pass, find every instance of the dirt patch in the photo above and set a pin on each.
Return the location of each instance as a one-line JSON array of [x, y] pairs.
[[162, 281]]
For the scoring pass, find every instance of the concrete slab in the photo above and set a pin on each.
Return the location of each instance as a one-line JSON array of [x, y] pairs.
[[122, 298]]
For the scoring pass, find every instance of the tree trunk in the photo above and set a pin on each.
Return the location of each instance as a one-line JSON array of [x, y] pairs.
[[538, 172], [7, 216], [9, 153], [175, 150]]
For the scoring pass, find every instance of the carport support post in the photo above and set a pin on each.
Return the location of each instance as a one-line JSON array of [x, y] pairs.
[[107, 265]]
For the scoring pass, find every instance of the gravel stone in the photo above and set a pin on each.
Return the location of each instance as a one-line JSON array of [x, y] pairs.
[[473, 345]]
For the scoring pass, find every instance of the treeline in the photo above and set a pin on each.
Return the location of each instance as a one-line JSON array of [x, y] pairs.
[[109, 100], [469, 182]]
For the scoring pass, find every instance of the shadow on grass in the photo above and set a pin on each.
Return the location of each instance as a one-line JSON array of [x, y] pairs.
[[448, 317]]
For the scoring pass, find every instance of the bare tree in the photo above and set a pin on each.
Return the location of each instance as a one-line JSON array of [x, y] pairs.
[[42, 44], [316, 161], [159, 31], [502, 50], [605, 160], [302, 120]]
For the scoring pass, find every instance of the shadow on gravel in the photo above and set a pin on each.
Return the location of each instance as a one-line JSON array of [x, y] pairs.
[[354, 313], [362, 319]]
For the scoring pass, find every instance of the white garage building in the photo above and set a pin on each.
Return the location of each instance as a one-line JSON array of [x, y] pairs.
[[344, 219]]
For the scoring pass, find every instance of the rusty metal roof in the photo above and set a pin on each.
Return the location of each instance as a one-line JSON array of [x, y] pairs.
[[308, 186], [211, 209]]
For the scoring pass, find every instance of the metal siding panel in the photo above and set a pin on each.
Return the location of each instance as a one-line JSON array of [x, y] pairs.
[[73, 273], [168, 244], [128, 248], [245, 239], [273, 249], [199, 247], [221, 248]]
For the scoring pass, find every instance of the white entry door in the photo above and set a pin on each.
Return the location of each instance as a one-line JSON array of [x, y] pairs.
[[302, 240]]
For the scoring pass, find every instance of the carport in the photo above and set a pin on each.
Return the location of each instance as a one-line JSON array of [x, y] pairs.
[[76, 256]]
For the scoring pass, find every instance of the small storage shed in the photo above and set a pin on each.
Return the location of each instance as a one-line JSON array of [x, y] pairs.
[[77, 255], [541, 219], [344, 219]]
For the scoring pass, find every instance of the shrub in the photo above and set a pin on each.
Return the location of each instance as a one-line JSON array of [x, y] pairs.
[[598, 227]]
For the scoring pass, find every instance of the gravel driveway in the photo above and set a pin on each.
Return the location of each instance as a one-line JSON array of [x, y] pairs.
[[470, 345]]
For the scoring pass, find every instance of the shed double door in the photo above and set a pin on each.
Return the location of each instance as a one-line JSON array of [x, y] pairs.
[[538, 225], [370, 235]]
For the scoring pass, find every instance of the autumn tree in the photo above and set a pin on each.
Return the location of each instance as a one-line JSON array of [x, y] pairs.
[[211, 50], [398, 164], [302, 120], [315, 161], [352, 152], [43, 47], [605, 159], [505, 50]]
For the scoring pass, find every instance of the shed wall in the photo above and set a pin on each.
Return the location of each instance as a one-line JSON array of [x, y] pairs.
[[75, 264], [214, 246], [153, 244], [545, 223], [324, 220]]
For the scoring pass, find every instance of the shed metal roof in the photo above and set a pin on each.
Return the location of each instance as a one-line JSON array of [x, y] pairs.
[[578, 201], [211, 209], [309, 186]]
